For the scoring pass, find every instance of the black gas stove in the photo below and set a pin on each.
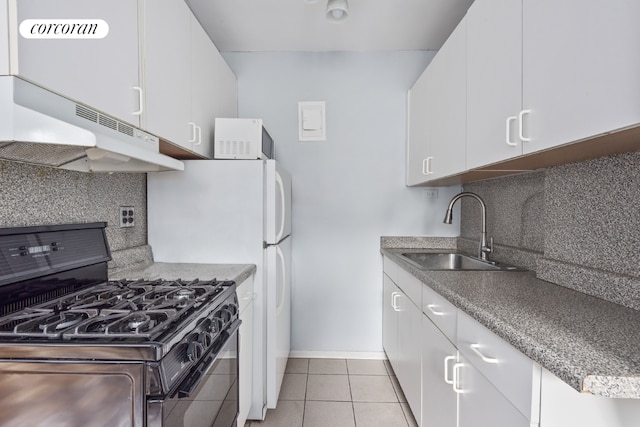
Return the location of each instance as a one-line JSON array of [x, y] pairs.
[[59, 311]]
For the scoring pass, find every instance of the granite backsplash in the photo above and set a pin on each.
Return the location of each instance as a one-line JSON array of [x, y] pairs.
[[35, 195], [577, 225]]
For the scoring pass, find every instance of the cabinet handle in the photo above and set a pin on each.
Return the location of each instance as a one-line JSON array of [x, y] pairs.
[[193, 132], [521, 126], [199, 133], [456, 378], [476, 349], [446, 369], [394, 305], [426, 166], [432, 309], [140, 101], [248, 296], [508, 132]]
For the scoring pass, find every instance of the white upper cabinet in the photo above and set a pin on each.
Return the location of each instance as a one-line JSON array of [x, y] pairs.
[[214, 89], [187, 82], [102, 73], [167, 70], [437, 115], [418, 150], [4, 38], [494, 81], [581, 69], [447, 132]]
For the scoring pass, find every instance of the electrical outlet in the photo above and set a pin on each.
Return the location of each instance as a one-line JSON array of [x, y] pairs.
[[430, 193], [127, 216]]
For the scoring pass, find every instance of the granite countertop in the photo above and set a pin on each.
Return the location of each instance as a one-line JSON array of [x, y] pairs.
[[591, 344], [186, 271]]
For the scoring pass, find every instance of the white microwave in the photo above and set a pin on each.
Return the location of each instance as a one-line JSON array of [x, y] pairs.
[[242, 139]]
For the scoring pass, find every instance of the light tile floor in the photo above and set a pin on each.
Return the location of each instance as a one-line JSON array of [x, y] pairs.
[[339, 393]]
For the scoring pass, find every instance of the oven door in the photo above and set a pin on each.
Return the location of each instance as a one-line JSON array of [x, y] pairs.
[[208, 397]]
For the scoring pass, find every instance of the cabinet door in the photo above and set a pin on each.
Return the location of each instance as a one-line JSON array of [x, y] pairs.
[[439, 400], [101, 73], [203, 96], [494, 80], [446, 105], [4, 39], [225, 88], [410, 354], [571, 94], [245, 361], [167, 71], [390, 312], [481, 404], [418, 151]]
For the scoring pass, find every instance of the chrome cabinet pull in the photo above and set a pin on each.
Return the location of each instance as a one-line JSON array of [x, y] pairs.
[[476, 349], [432, 309], [508, 131], [394, 303], [456, 378], [426, 166], [446, 369], [140, 101], [521, 125]]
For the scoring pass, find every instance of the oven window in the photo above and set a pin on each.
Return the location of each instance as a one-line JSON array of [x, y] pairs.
[[215, 401]]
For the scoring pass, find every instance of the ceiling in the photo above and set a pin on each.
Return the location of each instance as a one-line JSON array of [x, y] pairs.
[[301, 25]]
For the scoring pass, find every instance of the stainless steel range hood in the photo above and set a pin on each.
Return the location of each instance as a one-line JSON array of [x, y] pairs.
[[43, 128]]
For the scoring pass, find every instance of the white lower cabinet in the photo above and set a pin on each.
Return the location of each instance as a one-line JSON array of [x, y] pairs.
[[439, 399], [455, 372], [245, 359], [409, 354], [400, 335], [481, 404], [455, 393]]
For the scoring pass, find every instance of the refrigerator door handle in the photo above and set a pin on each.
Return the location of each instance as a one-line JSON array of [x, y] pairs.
[[283, 202], [281, 287]]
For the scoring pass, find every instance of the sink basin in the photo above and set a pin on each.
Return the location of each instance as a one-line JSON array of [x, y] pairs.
[[449, 261]]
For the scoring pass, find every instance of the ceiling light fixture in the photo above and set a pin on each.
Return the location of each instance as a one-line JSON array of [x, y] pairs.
[[337, 10]]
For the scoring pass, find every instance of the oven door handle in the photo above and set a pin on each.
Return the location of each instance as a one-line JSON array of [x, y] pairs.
[[199, 371]]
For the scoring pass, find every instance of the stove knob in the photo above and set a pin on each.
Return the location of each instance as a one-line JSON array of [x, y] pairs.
[[194, 351], [204, 339]]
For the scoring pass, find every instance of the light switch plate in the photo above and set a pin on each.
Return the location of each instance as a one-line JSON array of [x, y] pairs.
[[312, 121]]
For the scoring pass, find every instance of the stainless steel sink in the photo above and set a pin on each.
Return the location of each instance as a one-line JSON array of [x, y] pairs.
[[449, 261]]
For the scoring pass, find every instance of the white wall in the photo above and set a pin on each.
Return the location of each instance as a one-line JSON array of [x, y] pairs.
[[347, 191]]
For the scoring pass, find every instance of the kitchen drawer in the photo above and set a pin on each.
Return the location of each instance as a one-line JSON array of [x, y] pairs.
[[411, 286], [245, 293], [440, 311], [516, 376], [390, 268]]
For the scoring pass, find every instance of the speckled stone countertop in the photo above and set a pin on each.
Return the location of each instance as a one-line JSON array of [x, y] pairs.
[[591, 344], [186, 271]]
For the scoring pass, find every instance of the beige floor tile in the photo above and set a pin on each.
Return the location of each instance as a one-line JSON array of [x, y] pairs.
[[409, 415], [328, 387], [286, 414], [372, 388], [366, 367], [294, 387], [297, 366], [328, 366], [379, 415], [398, 389], [328, 414]]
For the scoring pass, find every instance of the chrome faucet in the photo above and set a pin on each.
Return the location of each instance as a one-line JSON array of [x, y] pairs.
[[485, 247]]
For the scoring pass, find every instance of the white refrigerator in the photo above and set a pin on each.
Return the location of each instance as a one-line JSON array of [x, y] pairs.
[[230, 212]]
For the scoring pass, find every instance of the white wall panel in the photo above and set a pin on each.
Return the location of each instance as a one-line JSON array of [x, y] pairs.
[[348, 190]]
